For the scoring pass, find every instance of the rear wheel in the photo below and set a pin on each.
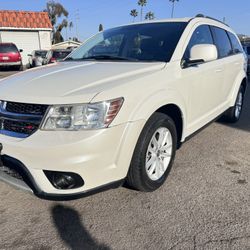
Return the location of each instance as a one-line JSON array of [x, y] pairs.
[[154, 154], [234, 113]]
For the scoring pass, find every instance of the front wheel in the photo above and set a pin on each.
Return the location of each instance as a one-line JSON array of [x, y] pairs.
[[154, 154], [234, 113]]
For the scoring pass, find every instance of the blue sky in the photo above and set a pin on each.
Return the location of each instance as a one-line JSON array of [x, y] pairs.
[[115, 12]]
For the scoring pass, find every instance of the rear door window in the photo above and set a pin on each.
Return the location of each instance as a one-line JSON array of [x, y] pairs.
[[222, 42], [248, 50], [202, 35], [237, 48]]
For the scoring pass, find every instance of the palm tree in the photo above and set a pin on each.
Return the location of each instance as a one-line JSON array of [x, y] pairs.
[[134, 14], [150, 16], [142, 3], [173, 5], [58, 38], [56, 10]]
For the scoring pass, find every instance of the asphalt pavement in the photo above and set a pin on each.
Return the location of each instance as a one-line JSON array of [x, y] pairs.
[[205, 204]]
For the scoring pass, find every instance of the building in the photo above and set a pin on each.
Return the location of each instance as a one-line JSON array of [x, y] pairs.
[[28, 30], [66, 45]]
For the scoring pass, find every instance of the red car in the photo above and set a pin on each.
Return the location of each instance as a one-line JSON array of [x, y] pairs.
[[10, 56]]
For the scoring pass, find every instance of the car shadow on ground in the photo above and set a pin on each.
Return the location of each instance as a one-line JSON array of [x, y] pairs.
[[68, 224]]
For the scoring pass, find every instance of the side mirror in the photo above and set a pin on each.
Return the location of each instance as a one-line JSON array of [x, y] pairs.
[[21, 50], [201, 53]]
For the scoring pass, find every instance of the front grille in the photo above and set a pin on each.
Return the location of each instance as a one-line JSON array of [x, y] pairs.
[[24, 108], [20, 119], [20, 127]]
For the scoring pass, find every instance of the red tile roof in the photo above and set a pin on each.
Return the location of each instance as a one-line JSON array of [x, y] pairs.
[[24, 19]]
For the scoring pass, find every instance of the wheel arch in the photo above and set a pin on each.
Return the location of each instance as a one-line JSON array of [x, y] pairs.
[[174, 112], [168, 102], [241, 80]]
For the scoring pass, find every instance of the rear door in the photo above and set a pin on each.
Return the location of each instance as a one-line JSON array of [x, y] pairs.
[[231, 61]]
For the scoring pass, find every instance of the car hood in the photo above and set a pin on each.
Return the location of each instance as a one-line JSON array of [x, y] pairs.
[[71, 82]]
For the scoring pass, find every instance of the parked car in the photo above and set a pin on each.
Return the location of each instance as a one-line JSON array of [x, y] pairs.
[[36, 58], [247, 51], [56, 55], [98, 119], [10, 56]]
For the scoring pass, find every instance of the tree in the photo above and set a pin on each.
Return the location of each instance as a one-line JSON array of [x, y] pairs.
[[173, 5], [142, 3], [101, 28], [56, 10], [58, 38], [134, 14], [150, 16]]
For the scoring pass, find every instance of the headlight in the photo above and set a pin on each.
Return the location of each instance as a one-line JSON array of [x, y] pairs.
[[82, 116]]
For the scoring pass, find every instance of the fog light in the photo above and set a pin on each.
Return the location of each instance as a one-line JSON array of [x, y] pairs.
[[64, 180]]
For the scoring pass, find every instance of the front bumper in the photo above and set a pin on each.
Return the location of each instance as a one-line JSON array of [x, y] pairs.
[[100, 157], [26, 182]]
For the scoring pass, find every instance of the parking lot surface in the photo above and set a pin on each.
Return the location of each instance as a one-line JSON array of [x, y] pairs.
[[205, 204]]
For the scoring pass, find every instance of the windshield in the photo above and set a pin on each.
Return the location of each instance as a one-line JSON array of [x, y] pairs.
[[141, 42], [60, 54], [6, 48], [41, 53]]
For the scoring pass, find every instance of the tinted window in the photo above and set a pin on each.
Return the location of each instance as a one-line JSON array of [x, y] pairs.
[[59, 55], [141, 42], [237, 48], [6, 48], [41, 53], [222, 42], [202, 35], [248, 50]]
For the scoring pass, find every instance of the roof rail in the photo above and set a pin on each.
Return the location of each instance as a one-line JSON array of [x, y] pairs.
[[203, 16]]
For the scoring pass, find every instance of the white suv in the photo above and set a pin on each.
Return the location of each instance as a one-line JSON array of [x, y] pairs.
[[119, 106]]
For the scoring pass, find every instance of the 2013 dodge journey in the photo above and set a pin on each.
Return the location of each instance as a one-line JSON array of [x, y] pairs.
[[117, 108]]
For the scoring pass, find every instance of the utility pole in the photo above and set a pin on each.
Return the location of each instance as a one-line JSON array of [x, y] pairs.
[[77, 16], [224, 19], [173, 6]]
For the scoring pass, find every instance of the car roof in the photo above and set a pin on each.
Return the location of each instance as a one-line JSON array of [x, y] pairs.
[[199, 18]]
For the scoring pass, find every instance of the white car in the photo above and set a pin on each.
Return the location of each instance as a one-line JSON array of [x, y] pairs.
[[119, 107], [36, 58]]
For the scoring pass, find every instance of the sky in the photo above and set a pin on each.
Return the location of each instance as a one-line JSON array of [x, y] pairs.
[[88, 14]]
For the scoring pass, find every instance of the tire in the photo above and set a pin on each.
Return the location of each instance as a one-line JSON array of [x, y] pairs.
[[233, 114], [145, 153]]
